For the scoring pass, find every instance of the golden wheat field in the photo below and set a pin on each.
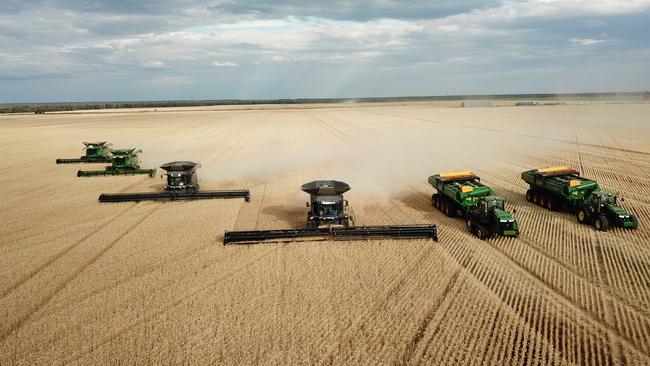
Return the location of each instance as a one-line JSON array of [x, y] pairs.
[[151, 283]]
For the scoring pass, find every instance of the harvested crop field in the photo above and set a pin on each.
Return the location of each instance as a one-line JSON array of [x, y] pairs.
[[86, 283]]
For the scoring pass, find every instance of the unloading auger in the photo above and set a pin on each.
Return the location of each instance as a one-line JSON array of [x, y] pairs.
[[329, 219]]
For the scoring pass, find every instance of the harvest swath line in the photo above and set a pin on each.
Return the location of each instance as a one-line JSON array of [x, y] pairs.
[[60, 254], [16, 325], [426, 322], [536, 278], [517, 134], [168, 307]]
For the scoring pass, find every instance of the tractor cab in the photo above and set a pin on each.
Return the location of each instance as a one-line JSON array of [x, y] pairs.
[[494, 207], [181, 176], [603, 211], [328, 207], [602, 200]]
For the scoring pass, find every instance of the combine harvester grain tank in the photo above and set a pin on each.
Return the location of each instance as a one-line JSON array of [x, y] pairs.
[[462, 194], [95, 152], [562, 188], [182, 185], [124, 162], [329, 218]]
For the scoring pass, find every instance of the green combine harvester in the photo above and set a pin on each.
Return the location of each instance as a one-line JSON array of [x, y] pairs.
[[124, 162], [182, 185], [96, 152], [462, 194], [562, 188]]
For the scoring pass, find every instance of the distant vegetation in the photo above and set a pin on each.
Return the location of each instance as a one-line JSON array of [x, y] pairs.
[[62, 107]]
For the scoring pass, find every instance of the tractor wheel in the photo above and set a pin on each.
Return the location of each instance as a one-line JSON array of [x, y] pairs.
[[635, 221], [530, 195], [583, 215], [601, 223], [434, 200], [481, 233], [470, 225], [451, 210]]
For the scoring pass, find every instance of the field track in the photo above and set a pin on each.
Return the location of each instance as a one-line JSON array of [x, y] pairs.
[[151, 282]]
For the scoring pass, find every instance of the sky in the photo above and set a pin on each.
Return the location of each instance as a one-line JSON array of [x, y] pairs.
[[95, 50]]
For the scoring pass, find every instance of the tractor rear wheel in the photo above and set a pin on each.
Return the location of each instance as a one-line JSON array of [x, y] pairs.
[[482, 233], [530, 195], [470, 225], [601, 223]]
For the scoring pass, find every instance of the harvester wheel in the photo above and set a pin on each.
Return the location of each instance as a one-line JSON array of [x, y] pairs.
[[530, 195], [601, 223]]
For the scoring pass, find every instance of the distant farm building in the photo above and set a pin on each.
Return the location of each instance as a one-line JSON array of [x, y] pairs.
[[526, 104], [476, 103]]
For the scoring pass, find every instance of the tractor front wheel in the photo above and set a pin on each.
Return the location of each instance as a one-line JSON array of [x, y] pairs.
[[601, 223], [635, 221]]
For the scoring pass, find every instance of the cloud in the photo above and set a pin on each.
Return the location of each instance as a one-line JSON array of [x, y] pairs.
[[585, 41], [292, 48], [224, 64], [153, 65]]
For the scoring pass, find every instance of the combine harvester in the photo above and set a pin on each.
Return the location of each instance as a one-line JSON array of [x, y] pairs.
[[562, 188], [124, 162], [329, 219], [462, 194], [182, 185], [96, 152]]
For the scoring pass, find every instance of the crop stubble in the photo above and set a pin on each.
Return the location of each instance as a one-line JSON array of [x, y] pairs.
[[151, 282]]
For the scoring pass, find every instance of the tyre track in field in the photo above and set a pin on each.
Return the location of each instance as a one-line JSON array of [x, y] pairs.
[[425, 323], [395, 285], [168, 307], [16, 325], [494, 130], [60, 254]]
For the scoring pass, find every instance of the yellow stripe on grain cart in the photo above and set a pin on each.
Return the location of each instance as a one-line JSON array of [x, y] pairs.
[[457, 175]]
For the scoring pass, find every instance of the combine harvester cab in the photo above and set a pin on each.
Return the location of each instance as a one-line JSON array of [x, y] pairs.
[[182, 185], [462, 194], [124, 162], [95, 152], [327, 204], [329, 219], [562, 188]]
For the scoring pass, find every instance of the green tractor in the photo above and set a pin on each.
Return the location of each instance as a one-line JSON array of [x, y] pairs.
[[562, 188], [124, 162], [96, 152], [462, 194]]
